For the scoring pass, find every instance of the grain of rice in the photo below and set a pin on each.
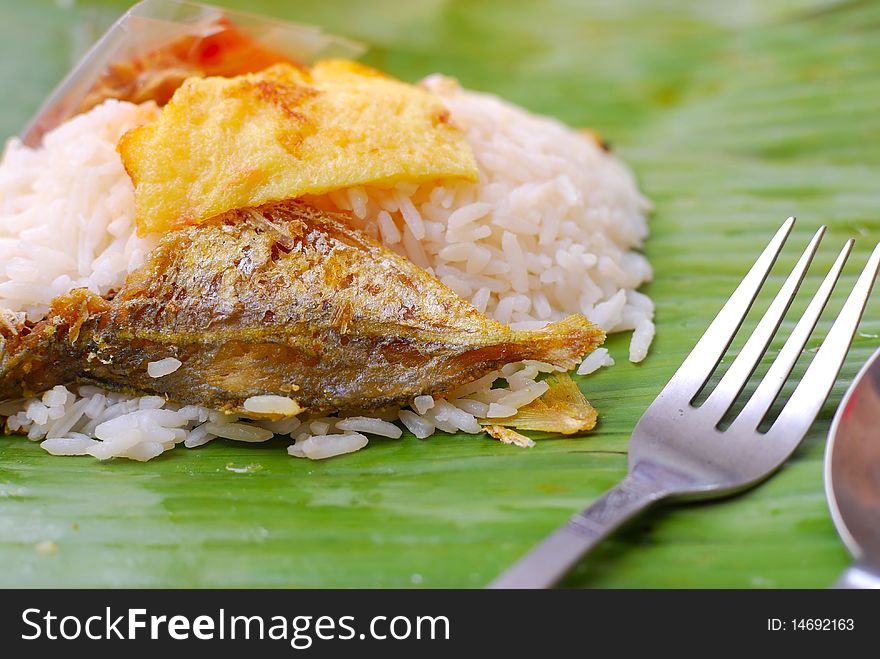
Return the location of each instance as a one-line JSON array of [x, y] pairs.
[[369, 425], [456, 252], [478, 259], [140, 418], [388, 230], [97, 403], [479, 385], [524, 396], [513, 252], [473, 407], [608, 313], [16, 422], [467, 214], [640, 301], [190, 412], [358, 199], [144, 451], [318, 447], [642, 337], [55, 396], [423, 403], [163, 367], [64, 423], [116, 410], [68, 445], [481, 299], [504, 309], [340, 199], [272, 405], [118, 446], [509, 369], [491, 396], [442, 423], [222, 417], [594, 361], [414, 250], [198, 436], [417, 425], [498, 411], [239, 432], [37, 412], [150, 402], [447, 413], [411, 216], [468, 234], [521, 380], [319, 427]]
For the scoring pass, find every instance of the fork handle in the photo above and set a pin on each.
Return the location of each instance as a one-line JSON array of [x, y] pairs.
[[858, 576], [544, 565]]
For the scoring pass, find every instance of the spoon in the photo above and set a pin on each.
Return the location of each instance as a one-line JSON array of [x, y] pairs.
[[852, 476]]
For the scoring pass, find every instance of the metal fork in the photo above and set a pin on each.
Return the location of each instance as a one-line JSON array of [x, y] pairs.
[[677, 450]]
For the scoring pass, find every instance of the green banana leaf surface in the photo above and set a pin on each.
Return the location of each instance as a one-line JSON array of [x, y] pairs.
[[733, 116]]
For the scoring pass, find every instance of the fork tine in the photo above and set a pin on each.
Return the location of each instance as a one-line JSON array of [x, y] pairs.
[[703, 359], [768, 389], [814, 387], [722, 397], [811, 392]]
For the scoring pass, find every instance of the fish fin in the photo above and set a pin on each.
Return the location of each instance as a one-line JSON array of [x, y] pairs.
[[562, 408], [563, 343]]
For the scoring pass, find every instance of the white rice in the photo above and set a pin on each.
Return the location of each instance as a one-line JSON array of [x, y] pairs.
[[240, 432], [163, 367], [67, 211], [271, 405], [370, 425], [318, 447], [594, 361], [422, 404], [549, 230], [89, 421]]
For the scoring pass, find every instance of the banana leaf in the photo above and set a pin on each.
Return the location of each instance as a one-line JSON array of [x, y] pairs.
[[733, 115]]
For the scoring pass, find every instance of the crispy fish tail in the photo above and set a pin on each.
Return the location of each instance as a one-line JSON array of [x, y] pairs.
[[563, 409], [563, 343]]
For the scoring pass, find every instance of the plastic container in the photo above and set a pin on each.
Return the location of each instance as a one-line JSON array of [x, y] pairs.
[[153, 24]]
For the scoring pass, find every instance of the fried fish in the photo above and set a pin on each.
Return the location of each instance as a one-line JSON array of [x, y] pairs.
[[279, 300]]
